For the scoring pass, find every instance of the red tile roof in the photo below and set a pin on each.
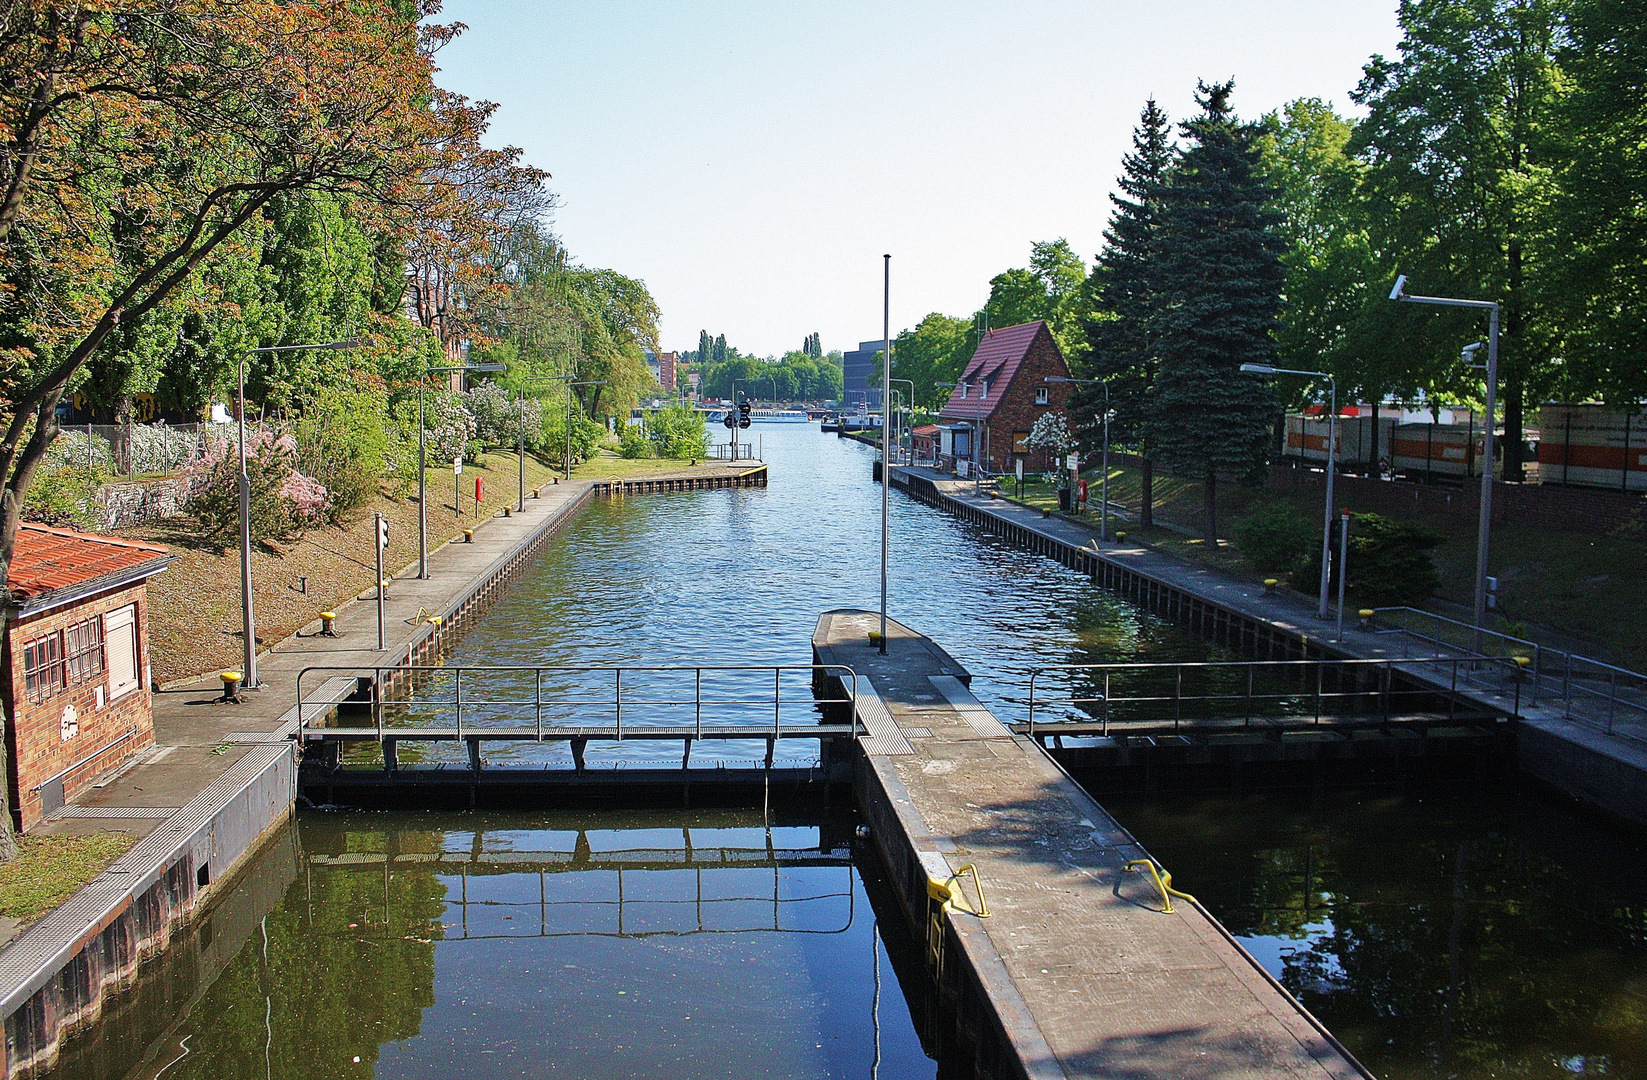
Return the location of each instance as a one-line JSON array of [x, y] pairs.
[[926, 429], [49, 560], [996, 362]]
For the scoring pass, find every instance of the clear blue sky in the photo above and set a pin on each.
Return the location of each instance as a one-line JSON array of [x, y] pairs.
[[752, 161]]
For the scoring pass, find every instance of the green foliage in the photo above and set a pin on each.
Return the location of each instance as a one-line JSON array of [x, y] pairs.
[[450, 427], [587, 437], [1389, 562], [676, 431], [344, 443], [633, 442], [797, 377], [283, 501], [501, 418], [1052, 288], [1275, 539], [65, 497], [1220, 275], [935, 351]]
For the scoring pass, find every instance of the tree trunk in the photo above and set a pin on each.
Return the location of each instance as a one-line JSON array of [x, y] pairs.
[[1210, 494], [1514, 432], [1146, 494]]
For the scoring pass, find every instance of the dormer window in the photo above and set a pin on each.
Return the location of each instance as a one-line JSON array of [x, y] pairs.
[[1042, 395], [963, 391]]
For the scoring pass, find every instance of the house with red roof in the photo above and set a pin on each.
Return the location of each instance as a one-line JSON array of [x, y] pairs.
[[76, 664], [1000, 395]]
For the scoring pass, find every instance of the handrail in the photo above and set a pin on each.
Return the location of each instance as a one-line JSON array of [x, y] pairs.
[[616, 702], [1385, 691], [1565, 674], [1163, 882]]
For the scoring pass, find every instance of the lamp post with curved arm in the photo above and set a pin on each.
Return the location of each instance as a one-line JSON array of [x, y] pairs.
[[1332, 464], [248, 621]]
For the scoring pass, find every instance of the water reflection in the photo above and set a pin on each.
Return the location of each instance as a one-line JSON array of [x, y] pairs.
[[645, 944], [1450, 933]]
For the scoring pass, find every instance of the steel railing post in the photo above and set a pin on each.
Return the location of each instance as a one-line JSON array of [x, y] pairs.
[[1177, 695], [1106, 703], [777, 697], [617, 697], [459, 672], [854, 704], [1246, 719], [539, 673], [1032, 675], [697, 698], [377, 701]]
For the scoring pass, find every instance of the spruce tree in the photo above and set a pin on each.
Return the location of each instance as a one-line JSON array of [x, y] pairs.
[[1218, 267], [1124, 296]]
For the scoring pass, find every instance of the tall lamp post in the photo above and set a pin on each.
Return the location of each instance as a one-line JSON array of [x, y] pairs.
[[886, 396], [909, 403], [520, 416], [1484, 525], [422, 444], [1332, 464], [248, 624], [1103, 515], [569, 386]]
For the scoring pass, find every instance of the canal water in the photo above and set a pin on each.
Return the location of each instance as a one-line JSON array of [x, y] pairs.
[[1468, 932], [654, 944]]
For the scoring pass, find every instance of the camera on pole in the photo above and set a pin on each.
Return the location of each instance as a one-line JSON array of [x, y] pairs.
[[744, 419]]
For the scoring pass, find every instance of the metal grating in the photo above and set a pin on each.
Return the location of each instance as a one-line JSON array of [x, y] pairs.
[[134, 812], [980, 719], [884, 735]]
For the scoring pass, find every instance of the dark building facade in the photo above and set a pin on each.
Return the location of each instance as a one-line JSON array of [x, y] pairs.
[[861, 376]]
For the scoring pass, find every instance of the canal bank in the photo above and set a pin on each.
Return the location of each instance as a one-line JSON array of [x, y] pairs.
[[222, 778], [1603, 771]]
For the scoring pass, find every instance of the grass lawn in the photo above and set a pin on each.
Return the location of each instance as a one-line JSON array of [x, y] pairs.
[[608, 465], [48, 869]]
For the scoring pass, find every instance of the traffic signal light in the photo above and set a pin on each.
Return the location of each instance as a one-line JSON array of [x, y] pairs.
[[744, 418], [383, 534], [731, 420]]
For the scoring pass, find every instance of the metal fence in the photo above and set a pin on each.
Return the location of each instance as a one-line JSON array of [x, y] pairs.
[[1580, 688], [553, 702], [137, 449], [1241, 694], [745, 451]]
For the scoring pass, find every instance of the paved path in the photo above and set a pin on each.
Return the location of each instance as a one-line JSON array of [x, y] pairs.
[[197, 738], [1087, 974]]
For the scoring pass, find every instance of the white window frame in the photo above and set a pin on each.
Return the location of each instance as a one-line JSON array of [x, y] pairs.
[[114, 621], [1043, 395]]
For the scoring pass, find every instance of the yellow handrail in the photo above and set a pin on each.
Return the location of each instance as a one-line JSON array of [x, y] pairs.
[[1163, 882], [949, 894]]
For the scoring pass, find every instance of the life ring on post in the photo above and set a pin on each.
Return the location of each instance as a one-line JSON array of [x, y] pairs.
[[1081, 491]]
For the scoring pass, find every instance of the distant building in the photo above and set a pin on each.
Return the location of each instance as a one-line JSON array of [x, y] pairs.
[[666, 369], [861, 376], [76, 663], [1001, 394]]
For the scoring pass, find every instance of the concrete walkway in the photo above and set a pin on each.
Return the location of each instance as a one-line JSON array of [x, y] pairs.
[[1574, 753], [1083, 972]]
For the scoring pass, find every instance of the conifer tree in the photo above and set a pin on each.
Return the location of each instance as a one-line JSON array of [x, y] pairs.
[[1218, 268], [1124, 296], [704, 347], [720, 349]]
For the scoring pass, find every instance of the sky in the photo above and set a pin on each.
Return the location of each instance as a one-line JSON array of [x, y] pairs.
[[752, 161]]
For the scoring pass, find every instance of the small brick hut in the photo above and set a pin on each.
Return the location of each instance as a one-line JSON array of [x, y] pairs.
[[76, 671], [1001, 394]]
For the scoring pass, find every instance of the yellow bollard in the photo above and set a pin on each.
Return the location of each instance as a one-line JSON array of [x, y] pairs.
[[1120, 536], [328, 622], [1366, 614], [468, 536], [231, 685], [1270, 584]]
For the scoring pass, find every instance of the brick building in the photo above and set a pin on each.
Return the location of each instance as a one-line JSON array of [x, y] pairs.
[[76, 665], [1000, 395]]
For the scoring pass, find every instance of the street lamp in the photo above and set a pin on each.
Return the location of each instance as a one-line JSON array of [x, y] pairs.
[[520, 412], [248, 622], [569, 386], [910, 404], [1332, 464], [1484, 525], [886, 396], [422, 497], [1103, 516]]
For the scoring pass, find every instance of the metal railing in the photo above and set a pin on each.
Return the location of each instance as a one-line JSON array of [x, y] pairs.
[[1611, 697], [724, 452], [419, 696], [1233, 694]]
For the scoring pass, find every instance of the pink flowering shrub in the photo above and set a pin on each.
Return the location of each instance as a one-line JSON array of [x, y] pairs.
[[283, 500]]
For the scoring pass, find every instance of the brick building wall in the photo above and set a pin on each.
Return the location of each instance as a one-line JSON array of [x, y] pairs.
[[1013, 418], [120, 727]]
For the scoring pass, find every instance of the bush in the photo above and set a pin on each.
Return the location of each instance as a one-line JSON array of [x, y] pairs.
[[587, 437], [64, 497], [677, 431], [499, 419], [343, 443], [633, 441], [283, 500], [1389, 562], [1276, 539]]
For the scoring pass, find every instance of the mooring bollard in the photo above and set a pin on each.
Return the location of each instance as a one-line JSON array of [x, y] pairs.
[[506, 512], [328, 620], [468, 536], [1366, 614], [1269, 585], [1120, 536], [231, 686]]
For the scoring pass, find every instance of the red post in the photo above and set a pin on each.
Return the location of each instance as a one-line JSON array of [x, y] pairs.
[[480, 493]]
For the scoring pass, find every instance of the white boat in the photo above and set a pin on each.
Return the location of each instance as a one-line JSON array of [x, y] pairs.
[[780, 416]]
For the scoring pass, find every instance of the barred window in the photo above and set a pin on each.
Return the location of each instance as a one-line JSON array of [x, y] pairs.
[[83, 644], [43, 666]]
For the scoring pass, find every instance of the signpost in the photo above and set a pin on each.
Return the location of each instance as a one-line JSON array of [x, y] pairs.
[[1073, 463], [382, 543], [457, 490]]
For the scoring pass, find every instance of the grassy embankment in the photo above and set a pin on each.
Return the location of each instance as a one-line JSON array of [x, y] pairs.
[[194, 614], [1588, 593], [48, 869]]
